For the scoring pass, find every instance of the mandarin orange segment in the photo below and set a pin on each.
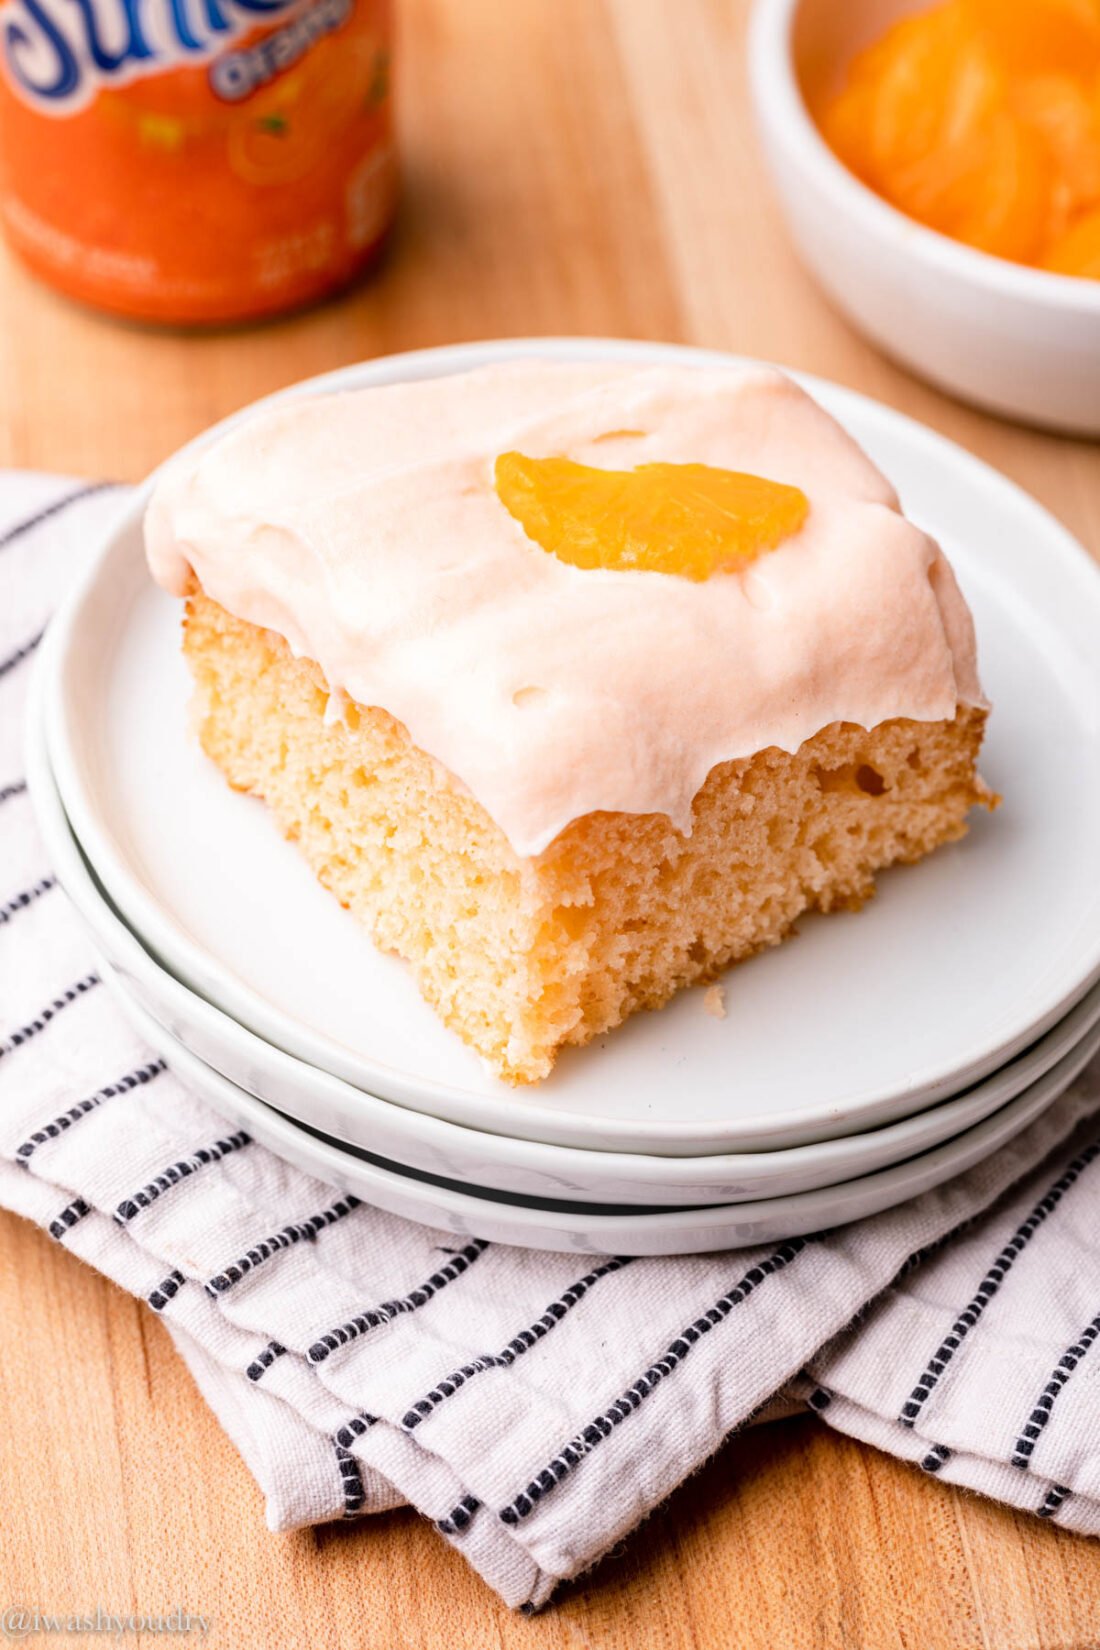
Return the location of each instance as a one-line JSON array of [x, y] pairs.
[[1078, 251], [921, 97], [1038, 36], [992, 191], [981, 119], [1065, 115], [934, 90], [844, 122], [687, 519]]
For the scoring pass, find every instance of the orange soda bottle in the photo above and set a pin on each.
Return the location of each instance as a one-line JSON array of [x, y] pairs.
[[196, 161]]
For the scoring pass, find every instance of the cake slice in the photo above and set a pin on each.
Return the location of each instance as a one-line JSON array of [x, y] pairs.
[[574, 684]]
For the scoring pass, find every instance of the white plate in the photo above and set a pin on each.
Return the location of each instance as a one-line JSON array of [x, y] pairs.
[[958, 965], [606, 1230], [495, 1161]]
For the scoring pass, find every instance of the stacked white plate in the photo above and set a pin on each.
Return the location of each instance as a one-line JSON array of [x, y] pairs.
[[866, 1061]]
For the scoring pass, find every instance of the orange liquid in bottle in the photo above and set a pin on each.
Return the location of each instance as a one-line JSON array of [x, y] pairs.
[[196, 161]]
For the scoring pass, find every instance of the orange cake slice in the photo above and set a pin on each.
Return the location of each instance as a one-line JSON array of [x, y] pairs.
[[575, 684]]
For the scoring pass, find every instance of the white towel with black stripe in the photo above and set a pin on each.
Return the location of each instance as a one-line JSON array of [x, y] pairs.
[[535, 1406]]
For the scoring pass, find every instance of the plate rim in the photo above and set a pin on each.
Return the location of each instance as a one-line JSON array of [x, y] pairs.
[[802, 1209], [463, 1106]]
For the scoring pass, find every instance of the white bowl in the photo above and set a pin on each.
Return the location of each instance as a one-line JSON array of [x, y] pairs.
[[1014, 340]]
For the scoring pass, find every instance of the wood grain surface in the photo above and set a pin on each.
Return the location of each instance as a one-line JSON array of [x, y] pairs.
[[572, 166]]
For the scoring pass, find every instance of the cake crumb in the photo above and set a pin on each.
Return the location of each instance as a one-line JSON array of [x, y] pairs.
[[714, 1001]]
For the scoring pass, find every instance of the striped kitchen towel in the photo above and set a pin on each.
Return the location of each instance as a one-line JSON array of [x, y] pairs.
[[535, 1406]]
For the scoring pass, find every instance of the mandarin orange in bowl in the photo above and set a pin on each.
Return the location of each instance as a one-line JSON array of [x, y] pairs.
[[980, 120], [938, 164]]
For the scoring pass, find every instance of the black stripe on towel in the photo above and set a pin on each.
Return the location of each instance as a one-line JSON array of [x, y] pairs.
[[18, 787], [346, 1435], [23, 651], [303, 1231], [604, 1425], [175, 1172], [50, 1131], [42, 1019], [1040, 1414], [264, 1360], [19, 902], [919, 1256], [936, 1457], [166, 1290], [351, 1482], [990, 1284], [388, 1310], [1055, 1497], [521, 1343], [67, 1219], [54, 509], [458, 1519]]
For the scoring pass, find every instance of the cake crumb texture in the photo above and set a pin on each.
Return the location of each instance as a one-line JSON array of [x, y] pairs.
[[714, 1001], [522, 957]]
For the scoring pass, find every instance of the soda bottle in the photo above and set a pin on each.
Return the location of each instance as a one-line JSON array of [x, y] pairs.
[[196, 161]]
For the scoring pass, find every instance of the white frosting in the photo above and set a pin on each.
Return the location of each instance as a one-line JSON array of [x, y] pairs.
[[365, 529]]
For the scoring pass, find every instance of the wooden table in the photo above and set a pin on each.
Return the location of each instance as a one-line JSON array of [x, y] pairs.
[[581, 166]]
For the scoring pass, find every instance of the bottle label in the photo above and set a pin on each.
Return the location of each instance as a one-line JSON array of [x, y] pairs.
[[59, 54]]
